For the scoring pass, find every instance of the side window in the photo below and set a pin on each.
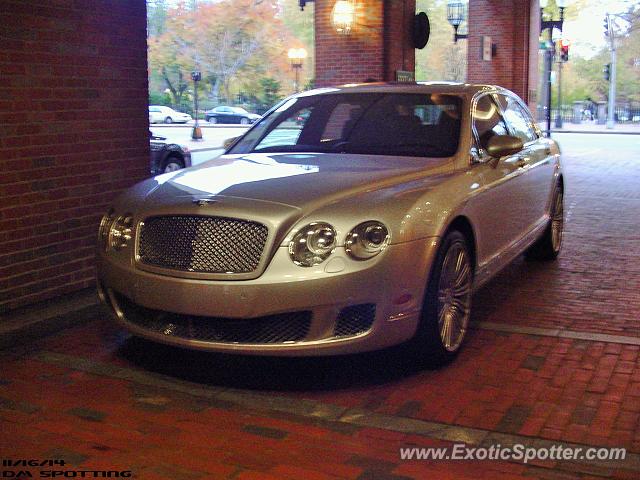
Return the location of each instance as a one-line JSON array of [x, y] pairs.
[[342, 119], [487, 120], [519, 121], [287, 132]]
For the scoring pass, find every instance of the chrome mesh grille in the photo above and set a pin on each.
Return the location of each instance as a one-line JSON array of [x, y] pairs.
[[355, 319], [202, 244], [272, 329]]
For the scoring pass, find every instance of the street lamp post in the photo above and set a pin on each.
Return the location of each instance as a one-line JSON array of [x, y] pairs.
[[196, 133], [610, 33], [549, 58], [456, 14], [296, 57]]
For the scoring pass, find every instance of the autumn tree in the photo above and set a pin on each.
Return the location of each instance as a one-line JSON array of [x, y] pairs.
[[233, 42]]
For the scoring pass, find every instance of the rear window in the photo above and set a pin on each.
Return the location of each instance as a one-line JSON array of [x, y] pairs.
[[421, 125]]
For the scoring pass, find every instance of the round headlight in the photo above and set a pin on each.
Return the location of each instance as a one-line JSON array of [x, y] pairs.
[[312, 244], [367, 240], [121, 232]]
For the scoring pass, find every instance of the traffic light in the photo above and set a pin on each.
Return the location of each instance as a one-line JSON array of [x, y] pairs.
[[605, 24], [607, 72], [564, 49]]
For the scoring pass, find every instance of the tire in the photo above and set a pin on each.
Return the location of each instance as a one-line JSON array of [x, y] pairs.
[[212, 120], [168, 120], [171, 164], [244, 121], [549, 245], [446, 309]]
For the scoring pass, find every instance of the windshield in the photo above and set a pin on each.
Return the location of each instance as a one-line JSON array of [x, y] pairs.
[[419, 125]]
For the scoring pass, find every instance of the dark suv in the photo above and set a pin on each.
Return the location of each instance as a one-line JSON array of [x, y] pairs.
[[167, 157]]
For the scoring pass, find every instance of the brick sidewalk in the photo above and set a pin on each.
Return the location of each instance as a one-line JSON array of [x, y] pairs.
[[102, 400]]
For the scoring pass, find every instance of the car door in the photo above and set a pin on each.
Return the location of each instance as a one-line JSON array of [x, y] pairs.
[[496, 204], [154, 114], [535, 160], [226, 115]]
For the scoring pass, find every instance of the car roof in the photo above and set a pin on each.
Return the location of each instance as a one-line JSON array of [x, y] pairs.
[[456, 88]]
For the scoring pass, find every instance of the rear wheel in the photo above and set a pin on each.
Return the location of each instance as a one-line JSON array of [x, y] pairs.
[[168, 120], [549, 245], [171, 164], [447, 304], [212, 120]]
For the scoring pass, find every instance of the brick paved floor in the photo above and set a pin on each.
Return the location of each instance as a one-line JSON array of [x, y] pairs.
[[101, 400]]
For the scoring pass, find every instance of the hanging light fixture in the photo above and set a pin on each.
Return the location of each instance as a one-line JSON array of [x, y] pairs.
[[343, 16]]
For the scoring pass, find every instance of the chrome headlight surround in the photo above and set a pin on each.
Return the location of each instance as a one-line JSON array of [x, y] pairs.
[[120, 232], [367, 240], [313, 244]]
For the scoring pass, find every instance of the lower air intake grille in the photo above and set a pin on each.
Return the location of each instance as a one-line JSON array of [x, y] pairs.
[[355, 320], [280, 328]]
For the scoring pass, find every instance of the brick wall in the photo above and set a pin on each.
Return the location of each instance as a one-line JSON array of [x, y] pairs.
[[73, 133], [508, 23], [378, 45]]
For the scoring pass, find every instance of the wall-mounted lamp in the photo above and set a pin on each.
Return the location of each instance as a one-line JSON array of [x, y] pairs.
[[343, 16], [456, 14]]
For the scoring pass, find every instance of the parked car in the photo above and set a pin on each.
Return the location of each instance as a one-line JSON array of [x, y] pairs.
[[224, 114], [368, 225], [167, 157], [160, 114]]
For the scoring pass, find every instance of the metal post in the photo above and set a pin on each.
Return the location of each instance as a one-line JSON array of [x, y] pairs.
[[196, 133], [612, 85], [549, 64], [559, 116], [296, 67]]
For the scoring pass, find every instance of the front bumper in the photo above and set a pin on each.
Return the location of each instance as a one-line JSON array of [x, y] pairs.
[[394, 283]]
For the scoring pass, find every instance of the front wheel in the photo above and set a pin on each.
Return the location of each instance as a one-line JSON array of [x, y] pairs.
[[549, 245], [244, 121], [447, 305], [172, 164]]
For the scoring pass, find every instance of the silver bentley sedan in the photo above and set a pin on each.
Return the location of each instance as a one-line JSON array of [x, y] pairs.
[[345, 220]]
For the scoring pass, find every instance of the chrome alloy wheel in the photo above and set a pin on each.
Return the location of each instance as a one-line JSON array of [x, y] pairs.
[[557, 221], [454, 296]]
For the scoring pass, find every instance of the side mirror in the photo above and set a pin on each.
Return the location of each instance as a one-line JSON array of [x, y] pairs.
[[502, 145], [229, 141]]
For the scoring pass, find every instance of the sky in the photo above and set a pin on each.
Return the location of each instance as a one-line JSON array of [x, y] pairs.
[[587, 32]]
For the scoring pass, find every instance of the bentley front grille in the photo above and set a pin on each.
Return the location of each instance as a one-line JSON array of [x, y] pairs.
[[271, 329], [202, 244]]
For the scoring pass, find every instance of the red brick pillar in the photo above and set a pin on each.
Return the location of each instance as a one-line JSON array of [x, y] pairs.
[[380, 42], [73, 134], [513, 26]]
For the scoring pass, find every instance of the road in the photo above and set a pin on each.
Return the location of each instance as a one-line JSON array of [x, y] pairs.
[[209, 147]]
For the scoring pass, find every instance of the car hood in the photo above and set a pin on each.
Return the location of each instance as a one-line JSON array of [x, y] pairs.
[[302, 181]]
